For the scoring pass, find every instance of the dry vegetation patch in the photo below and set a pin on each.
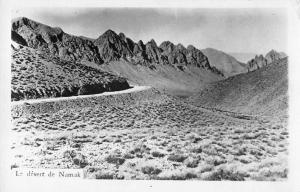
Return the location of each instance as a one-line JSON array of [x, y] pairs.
[[149, 136]]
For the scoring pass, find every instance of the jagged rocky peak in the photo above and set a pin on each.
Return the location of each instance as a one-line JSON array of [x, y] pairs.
[[190, 47], [152, 43], [141, 43], [54, 41], [180, 47], [109, 35], [109, 46], [273, 55], [260, 61], [178, 54], [167, 46], [256, 63], [23, 21], [109, 32], [153, 52], [112, 47], [122, 36], [49, 34]]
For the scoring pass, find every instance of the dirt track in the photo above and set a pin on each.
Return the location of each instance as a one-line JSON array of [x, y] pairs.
[[32, 101]]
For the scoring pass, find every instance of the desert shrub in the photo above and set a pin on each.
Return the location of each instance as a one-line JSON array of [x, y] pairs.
[[150, 170], [196, 150], [157, 154], [271, 173], [225, 175], [128, 156], [190, 175], [69, 154], [176, 175], [192, 163], [153, 137], [177, 158], [115, 159], [80, 160]]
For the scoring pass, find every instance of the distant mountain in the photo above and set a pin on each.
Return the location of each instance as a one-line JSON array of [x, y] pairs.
[[261, 61], [224, 62], [261, 92], [242, 57]]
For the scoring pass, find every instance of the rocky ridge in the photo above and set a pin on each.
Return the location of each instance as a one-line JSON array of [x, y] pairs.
[[260, 61], [107, 47]]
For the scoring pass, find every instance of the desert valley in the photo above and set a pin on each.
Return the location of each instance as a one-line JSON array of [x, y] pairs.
[[121, 109]]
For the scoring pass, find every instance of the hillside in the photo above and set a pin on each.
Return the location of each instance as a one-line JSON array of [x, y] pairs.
[[35, 74], [224, 62], [166, 78], [263, 91]]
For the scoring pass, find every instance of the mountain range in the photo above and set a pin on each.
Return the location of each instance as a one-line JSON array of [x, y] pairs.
[[174, 68], [107, 47]]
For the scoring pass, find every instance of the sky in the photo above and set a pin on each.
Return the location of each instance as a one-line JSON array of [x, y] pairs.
[[246, 30]]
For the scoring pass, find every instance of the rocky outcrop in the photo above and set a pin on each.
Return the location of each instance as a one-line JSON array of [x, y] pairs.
[[113, 47], [181, 56], [260, 61], [274, 56], [54, 41], [256, 63], [18, 38]]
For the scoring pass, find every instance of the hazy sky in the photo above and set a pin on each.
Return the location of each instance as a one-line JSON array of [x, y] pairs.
[[230, 30]]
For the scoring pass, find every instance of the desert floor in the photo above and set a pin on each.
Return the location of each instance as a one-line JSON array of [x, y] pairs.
[[150, 136]]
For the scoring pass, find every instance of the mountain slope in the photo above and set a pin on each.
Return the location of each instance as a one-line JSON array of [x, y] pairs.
[[263, 91], [35, 74], [166, 78], [227, 64]]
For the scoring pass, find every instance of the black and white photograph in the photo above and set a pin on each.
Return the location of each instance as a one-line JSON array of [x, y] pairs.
[[150, 93]]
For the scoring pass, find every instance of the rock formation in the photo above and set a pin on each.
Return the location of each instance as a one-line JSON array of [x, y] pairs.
[[260, 61]]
